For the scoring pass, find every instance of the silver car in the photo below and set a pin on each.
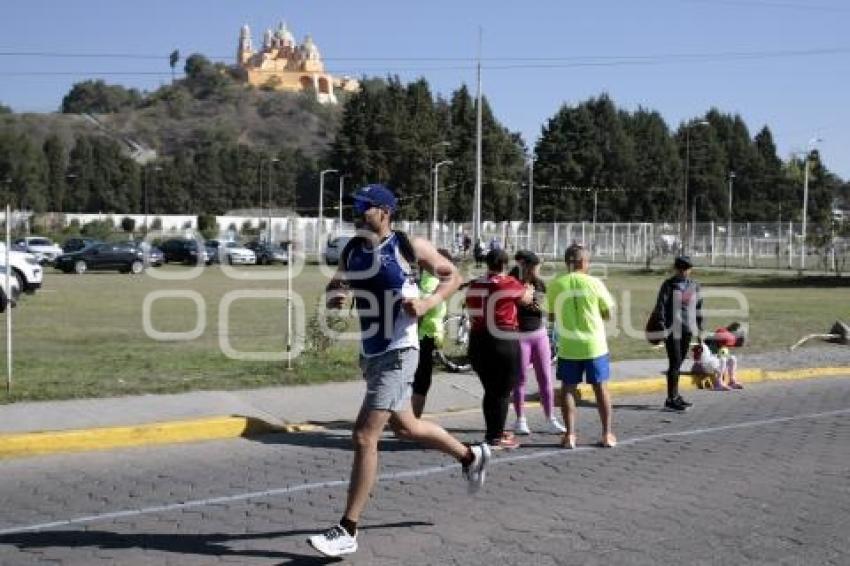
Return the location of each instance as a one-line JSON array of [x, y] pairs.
[[334, 249]]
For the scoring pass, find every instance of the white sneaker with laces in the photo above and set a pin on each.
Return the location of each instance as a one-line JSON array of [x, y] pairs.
[[521, 426], [555, 426], [476, 472], [334, 542]]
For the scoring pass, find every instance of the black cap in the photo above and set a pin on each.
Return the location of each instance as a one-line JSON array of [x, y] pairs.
[[683, 262]]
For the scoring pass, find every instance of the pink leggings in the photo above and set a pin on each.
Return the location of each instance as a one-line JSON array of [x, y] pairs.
[[534, 349]]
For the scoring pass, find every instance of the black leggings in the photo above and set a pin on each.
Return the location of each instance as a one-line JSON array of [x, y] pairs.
[[677, 352], [422, 378], [496, 361]]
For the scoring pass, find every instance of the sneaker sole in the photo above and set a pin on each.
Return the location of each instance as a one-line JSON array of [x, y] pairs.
[[323, 553]]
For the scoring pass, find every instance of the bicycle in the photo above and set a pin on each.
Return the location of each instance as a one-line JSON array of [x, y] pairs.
[[453, 353]]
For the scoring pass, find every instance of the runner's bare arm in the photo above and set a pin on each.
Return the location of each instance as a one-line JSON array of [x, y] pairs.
[[430, 260]]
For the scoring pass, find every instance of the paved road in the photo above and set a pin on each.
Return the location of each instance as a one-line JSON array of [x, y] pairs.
[[758, 477]]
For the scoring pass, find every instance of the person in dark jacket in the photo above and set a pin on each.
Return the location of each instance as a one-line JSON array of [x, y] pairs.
[[679, 311]]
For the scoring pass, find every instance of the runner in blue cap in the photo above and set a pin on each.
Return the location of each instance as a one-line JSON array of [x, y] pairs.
[[377, 267]]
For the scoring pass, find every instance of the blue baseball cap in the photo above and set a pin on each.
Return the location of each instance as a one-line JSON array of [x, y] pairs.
[[374, 195]]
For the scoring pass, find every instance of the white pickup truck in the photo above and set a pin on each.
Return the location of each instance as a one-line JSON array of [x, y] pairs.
[[6, 294], [25, 268]]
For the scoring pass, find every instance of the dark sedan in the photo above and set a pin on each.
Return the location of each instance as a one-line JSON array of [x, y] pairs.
[[269, 254], [125, 257], [76, 244], [185, 251]]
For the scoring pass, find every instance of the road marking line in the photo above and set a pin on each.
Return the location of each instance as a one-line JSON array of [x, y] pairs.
[[405, 474]]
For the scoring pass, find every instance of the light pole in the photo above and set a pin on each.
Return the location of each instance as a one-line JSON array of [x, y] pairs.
[[530, 198], [684, 226], [269, 210], [694, 218], [431, 179], [729, 218], [321, 225], [341, 187], [437, 188], [812, 143]]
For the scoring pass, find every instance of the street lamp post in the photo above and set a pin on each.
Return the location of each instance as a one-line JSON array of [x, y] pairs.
[[530, 198], [812, 143], [436, 189], [684, 224], [729, 217], [341, 187], [432, 180], [269, 209], [321, 226]]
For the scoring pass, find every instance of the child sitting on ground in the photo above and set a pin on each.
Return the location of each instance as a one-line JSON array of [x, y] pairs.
[[720, 368], [728, 365]]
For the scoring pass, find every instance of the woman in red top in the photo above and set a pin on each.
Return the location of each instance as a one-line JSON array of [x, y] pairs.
[[494, 342]]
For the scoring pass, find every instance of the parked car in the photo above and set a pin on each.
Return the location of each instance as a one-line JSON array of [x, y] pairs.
[[268, 254], [43, 248], [334, 249], [232, 252], [125, 257], [8, 296], [76, 244], [184, 251], [25, 268]]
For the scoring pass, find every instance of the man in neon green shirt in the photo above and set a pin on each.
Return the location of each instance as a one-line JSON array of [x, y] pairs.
[[579, 304], [431, 331]]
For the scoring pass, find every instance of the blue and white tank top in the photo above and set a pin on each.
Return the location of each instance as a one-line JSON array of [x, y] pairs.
[[381, 278]]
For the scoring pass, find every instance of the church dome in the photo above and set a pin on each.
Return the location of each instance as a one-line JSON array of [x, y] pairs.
[[284, 35], [310, 49]]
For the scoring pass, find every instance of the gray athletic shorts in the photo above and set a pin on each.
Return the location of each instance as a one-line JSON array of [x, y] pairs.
[[389, 379]]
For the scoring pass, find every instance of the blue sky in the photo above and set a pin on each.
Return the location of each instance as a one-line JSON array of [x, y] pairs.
[[537, 55]]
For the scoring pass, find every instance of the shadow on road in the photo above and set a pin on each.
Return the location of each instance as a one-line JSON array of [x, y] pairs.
[[211, 544], [334, 440]]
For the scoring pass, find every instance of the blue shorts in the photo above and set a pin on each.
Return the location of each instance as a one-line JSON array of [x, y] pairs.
[[572, 372]]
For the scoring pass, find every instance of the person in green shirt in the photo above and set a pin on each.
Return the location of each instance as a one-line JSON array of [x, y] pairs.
[[579, 304], [431, 333]]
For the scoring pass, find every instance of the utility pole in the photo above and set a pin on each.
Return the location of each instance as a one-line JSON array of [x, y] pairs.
[[476, 218]]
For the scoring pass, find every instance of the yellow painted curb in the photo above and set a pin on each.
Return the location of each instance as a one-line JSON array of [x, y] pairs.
[[755, 375], [48, 442]]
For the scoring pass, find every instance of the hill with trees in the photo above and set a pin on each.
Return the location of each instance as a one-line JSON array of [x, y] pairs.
[[221, 144]]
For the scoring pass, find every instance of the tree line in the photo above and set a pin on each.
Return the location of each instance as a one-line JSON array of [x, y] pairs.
[[633, 164]]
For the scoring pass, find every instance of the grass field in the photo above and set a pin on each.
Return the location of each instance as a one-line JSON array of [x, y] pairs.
[[83, 336]]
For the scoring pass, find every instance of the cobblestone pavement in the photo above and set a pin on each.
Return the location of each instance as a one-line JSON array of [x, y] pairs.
[[760, 476]]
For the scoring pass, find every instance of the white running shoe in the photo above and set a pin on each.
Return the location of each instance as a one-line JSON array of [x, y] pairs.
[[521, 426], [555, 426], [476, 472], [334, 542]]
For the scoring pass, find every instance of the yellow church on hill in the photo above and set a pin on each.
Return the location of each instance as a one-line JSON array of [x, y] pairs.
[[282, 64]]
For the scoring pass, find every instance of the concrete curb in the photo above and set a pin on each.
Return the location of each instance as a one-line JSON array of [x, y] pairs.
[[215, 428]]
